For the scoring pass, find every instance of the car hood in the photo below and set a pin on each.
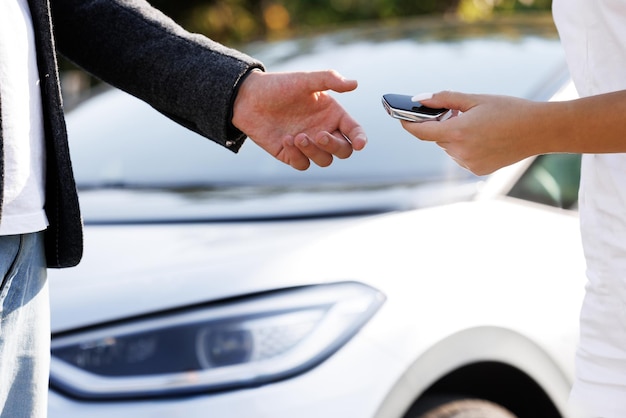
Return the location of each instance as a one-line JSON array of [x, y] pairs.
[[133, 270], [205, 204]]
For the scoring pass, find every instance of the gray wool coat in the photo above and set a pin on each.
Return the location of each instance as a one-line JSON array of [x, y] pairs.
[[132, 46]]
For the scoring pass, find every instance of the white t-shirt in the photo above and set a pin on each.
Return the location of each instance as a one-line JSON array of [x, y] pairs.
[[593, 33], [22, 125]]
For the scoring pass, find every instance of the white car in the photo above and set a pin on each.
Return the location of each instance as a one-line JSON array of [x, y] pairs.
[[389, 285]]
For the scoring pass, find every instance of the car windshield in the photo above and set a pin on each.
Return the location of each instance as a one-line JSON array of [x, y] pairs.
[[133, 164], [118, 141], [551, 179]]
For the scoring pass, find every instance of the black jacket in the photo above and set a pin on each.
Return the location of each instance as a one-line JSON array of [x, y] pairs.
[[132, 46]]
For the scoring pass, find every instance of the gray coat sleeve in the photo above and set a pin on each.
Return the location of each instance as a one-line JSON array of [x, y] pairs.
[[131, 45]]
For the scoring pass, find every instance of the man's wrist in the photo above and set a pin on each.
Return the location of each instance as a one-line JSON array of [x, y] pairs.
[[240, 96]]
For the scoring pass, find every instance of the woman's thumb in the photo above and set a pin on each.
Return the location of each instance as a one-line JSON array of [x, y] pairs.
[[446, 99]]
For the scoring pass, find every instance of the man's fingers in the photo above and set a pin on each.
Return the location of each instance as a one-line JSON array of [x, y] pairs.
[[291, 154], [311, 151], [334, 144], [329, 80], [340, 84], [355, 133]]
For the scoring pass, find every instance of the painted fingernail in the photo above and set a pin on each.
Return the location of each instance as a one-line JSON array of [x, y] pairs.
[[421, 96]]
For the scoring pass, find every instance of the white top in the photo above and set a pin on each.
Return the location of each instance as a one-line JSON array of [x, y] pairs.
[[593, 33], [22, 126]]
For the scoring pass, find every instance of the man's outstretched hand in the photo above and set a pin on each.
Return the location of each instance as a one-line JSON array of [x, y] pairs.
[[292, 117]]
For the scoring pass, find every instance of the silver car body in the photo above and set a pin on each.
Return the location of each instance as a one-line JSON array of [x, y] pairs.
[[463, 273]]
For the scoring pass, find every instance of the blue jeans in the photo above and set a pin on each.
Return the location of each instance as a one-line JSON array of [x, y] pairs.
[[24, 327]]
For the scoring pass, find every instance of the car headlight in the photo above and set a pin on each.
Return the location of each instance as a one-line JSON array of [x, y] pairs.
[[231, 344]]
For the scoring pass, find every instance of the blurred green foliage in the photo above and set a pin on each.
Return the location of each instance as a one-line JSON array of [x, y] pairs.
[[237, 21]]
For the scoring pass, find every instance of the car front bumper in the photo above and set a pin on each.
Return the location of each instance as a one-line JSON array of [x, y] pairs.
[[353, 382]]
